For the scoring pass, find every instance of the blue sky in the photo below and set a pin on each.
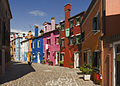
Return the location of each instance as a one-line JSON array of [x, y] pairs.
[[27, 13]]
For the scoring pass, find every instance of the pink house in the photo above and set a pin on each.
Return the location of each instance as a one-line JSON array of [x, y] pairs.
[[51, 44]]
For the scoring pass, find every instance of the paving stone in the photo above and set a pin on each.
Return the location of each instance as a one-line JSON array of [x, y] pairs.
[[21, 74]]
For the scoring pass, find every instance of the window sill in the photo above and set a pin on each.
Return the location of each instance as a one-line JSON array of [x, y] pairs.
[[77, 25], [96, 32]]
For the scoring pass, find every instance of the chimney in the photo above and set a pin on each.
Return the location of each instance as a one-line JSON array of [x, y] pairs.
[[36, 30], [53, 23], [67, 9]]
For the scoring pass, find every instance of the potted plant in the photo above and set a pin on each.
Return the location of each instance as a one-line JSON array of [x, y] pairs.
[[61, 63], [71, 65], [42, 61], [50, 62], [86, 70]]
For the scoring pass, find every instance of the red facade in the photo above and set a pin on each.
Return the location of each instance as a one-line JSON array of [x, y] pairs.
[[67, 49]]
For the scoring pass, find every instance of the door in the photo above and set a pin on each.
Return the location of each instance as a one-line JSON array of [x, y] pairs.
[[38, 57], [117, 65], [76, 59], [57, 57]]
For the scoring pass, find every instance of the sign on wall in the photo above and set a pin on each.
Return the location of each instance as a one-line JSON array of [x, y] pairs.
[[67, 32]]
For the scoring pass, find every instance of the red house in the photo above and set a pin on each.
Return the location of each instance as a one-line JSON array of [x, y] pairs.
[[70, 38]]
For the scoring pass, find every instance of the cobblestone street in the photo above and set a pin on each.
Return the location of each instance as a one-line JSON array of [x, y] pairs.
[[21, 74]]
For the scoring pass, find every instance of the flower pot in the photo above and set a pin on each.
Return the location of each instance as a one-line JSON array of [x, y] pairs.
[[87, 77]]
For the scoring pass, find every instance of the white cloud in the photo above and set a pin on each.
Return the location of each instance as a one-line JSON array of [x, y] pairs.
[[19, 31], [37, 13]]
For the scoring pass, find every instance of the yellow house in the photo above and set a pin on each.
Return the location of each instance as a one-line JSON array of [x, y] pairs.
[[11, 49]]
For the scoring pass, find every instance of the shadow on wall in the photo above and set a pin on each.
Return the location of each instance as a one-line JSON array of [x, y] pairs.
[[16, 70]]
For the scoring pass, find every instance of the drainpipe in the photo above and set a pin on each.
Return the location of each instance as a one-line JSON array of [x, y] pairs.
[[102, 35]]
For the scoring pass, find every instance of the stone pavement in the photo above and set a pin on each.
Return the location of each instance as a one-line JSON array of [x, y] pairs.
[[21, 74]]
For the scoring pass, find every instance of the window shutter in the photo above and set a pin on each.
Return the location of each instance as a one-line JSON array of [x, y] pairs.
[[69, 41], [80, 19], [60, 42], [75, 38], [93, 24], [82, 36], [69, 24], [98, 21], [75, 21], [79, 39]]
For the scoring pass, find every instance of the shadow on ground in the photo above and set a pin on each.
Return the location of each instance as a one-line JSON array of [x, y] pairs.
[[15, 71]]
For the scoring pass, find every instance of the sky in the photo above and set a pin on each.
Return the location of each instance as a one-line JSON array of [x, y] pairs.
[[27, 13]]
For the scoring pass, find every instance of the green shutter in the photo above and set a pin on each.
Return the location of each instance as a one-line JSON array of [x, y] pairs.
[[80, 19], [69, 24], [67, 32], [75, 21], [69, 41], [75, 39]]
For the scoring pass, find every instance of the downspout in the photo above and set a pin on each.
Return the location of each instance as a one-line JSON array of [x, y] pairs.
[[102, 35]]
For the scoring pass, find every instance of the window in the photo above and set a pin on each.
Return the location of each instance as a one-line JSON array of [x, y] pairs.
[[71, 40], [62, 42], [82, 36], [85, 57], [38, 43], [33, 44], [48, 54], [45, 28], [57, 40], [96, 59], [71, 23], [78, 39], [77, 21], [48, 41], [96, 23], [62, 27], [62, 57]]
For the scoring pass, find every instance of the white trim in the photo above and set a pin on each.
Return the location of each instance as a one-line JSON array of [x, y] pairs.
[[77, 34], [63, 38], [90, 11], [72, 36], [114, 66]]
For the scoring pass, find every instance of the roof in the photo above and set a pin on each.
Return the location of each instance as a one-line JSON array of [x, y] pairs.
[[49, 23], [51, 31], [77, 15], [9, 8], [88, 10]]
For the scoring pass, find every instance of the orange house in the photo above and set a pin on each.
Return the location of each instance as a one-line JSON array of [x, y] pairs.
[[30, 48], [92, 45]]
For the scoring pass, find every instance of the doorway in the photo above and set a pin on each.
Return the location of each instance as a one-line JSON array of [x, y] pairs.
[[76, 59], [117, 63], [38, 57], [57, 57]]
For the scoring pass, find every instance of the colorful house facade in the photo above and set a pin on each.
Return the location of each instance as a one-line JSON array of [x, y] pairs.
[[24, 48], [92, 44], [5, 17], [18, 40], [51, 46], [111, 43], [70, 38], [37, 46], [30, 47]]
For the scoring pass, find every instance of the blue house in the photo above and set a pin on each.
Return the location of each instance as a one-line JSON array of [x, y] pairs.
[[37, 46]]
